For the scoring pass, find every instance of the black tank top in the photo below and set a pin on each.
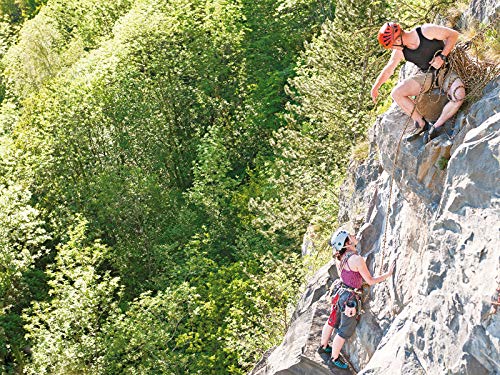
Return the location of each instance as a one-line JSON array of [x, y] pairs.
[[424, 54]]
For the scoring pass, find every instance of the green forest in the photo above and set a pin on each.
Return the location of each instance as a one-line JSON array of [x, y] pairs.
[[160, 162]]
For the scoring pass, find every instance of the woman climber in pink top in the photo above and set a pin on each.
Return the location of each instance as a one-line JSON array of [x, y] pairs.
[[346, 304]]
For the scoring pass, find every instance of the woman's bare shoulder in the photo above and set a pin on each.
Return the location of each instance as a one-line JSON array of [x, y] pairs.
[[356, 256], [356, 260]]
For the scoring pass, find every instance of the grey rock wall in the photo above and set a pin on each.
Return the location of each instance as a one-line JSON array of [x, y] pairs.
[[483, 11], [448, 250], [435, 315]]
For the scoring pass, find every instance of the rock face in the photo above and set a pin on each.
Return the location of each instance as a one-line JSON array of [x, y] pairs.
[[484, 11], [435, 316], [445, 234]]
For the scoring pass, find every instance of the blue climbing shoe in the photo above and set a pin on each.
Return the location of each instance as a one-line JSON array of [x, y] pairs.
[[338, 363], [327, 350]]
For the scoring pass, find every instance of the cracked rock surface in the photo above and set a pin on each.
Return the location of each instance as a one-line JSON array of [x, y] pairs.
[[435, 316]]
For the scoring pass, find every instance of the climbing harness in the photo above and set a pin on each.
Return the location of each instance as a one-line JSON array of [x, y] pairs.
[[338, 288], [354, 296]]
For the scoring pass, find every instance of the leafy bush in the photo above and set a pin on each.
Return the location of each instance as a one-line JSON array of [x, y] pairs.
[[67, 331]]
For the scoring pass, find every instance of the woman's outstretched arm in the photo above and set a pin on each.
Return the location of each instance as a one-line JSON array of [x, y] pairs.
[[359, 263]]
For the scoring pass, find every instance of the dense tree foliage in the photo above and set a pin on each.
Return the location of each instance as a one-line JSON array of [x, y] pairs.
[[66, 331], [22, 236], [159, 162]]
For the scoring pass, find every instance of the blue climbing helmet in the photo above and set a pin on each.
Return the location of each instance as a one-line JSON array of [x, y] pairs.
[[338, 238]]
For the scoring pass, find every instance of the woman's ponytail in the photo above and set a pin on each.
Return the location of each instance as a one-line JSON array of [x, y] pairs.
[[339, 253]]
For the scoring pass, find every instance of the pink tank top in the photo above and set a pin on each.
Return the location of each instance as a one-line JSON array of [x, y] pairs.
[[352, 279]]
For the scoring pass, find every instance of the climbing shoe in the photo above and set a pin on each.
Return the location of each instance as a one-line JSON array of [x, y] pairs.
[[338, 363], [432, 133], [417, 130], [327, 350]]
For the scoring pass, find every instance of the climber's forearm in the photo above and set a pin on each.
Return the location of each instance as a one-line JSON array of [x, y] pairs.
[[372, 280], [384, 75], [450, 42], [367, 276], [381, 278]]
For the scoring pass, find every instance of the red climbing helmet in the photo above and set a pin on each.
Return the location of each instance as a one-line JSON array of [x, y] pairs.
[[388, 33]]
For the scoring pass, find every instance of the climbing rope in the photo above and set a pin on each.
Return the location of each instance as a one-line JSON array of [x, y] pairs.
[[474, 73]]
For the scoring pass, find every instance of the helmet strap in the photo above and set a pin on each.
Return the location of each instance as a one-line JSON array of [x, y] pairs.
[[402, 43]]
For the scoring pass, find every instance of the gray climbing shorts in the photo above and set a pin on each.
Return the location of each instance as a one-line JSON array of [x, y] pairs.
[[345, 325]]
